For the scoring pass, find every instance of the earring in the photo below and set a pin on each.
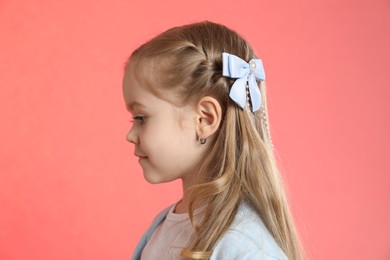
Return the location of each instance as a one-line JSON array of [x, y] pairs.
[[202, 140]]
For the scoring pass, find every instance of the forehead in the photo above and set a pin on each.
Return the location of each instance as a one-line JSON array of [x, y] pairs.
[[141, 78], [133, 92]]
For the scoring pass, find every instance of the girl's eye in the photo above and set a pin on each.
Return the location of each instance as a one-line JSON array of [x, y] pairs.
[[141, 119]]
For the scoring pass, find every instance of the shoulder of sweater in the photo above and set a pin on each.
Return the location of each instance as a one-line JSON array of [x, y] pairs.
[[247, 238]]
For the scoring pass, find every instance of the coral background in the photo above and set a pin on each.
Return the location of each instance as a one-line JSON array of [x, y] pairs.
[[70, 187]]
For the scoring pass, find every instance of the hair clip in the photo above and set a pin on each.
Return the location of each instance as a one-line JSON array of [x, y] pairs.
[[245, 74]]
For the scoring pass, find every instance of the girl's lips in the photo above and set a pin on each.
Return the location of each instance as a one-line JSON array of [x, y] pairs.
[[142, 159]]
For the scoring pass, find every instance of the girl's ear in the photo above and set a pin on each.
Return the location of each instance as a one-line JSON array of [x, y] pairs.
[[209, 116]]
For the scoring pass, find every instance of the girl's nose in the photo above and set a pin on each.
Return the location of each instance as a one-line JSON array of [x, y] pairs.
[[132, 137]]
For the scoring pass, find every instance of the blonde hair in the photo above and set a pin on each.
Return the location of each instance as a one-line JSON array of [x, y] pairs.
[[187, 61]]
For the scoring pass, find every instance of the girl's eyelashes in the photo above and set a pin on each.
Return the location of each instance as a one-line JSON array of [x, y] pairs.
[[141, 119]]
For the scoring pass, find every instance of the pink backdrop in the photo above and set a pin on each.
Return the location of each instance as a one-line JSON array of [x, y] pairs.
[[70, 187]]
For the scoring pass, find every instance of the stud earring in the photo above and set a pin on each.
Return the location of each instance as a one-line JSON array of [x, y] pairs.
[[202, 140]]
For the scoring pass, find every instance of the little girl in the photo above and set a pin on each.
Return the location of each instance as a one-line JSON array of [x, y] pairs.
[[197, 97]]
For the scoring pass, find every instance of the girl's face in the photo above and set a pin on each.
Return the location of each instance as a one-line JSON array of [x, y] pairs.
[[164, 135]]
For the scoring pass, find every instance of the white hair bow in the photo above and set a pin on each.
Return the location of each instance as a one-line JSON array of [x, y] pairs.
[[244, 73]]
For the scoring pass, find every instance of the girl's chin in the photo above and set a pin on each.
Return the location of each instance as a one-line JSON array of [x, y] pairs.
[[151, 177], [154, 178]]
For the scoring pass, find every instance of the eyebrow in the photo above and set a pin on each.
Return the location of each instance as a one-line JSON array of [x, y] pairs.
[[130, 106]]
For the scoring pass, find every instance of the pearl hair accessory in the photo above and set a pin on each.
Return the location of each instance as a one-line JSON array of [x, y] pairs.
[[245, 91], [245, 75], [264, 119]]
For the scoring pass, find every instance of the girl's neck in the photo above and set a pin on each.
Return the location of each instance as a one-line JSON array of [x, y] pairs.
[[181, 207], [183, 204]]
